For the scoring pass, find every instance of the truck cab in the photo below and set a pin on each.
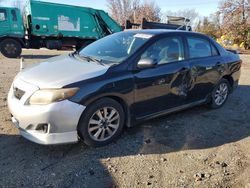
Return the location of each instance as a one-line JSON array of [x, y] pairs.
[[11, 32], [11, 22]]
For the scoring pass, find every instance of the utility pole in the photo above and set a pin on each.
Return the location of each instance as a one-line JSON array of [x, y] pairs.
[[243, 10]]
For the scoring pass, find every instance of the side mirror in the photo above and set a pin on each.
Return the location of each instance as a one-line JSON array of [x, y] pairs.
[[146, 63]]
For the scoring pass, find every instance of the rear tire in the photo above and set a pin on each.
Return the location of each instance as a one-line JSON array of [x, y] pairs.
[[220, 94], [101, 123], [11, 48]]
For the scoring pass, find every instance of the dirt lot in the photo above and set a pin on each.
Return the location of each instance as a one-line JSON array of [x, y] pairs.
[[194, 148]]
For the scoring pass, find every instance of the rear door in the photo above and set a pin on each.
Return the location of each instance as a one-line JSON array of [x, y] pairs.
[[4, 23], [206, 67]]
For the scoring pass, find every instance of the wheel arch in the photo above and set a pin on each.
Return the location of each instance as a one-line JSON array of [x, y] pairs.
[[230, 80], [119, 100]]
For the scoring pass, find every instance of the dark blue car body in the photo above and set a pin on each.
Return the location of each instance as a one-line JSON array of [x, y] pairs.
[[150, 92]]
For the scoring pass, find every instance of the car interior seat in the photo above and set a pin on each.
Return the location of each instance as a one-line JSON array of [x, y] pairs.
[[170, 53]]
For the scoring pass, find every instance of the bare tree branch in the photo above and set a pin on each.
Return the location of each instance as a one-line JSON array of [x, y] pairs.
[[134, 10], [236, 20]]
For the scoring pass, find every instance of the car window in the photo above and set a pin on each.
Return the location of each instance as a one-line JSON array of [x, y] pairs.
[[165, 50], [199, 47], [14, 17], [214, 50], [3, 16]]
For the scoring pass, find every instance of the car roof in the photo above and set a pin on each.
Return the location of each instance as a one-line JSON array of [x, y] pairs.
[[160, 31]]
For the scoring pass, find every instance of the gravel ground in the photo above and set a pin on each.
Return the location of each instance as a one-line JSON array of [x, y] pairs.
[[193, 148]]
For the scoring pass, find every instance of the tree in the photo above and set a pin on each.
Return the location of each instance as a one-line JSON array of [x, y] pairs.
[[122, 10], [236, 20], [216, 20], [207, 27], [133, 10], [148, 10]]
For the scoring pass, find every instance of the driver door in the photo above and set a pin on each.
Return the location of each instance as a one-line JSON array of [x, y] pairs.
[[164, 86]]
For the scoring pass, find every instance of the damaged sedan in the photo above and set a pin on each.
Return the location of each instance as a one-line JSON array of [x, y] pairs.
[[119, 81]]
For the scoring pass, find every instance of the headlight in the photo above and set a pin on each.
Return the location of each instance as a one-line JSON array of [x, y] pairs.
[[47, 96]]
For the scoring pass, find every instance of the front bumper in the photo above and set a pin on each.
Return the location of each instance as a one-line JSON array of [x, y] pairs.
[[61, 118]]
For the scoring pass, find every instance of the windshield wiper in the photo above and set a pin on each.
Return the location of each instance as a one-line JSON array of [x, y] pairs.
[[89, 58], [73, 53]]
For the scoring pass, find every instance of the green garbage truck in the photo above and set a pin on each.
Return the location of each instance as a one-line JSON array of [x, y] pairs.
[[52, 26]]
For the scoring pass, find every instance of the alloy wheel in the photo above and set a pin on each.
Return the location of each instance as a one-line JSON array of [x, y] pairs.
[[221, 94], [103, 124]]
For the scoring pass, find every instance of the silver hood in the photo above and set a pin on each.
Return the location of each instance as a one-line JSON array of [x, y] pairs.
[[60, 71]]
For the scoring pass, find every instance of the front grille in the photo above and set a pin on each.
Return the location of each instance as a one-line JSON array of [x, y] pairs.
[[18, 93]]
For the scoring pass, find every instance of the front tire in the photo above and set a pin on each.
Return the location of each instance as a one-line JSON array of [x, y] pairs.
[[220, 94], [101, 123], [11, 48]]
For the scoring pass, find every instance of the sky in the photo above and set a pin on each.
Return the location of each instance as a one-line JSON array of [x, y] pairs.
[[203, 7]]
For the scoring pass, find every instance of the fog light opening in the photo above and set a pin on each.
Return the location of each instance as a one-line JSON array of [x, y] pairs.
[[42, 127]]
